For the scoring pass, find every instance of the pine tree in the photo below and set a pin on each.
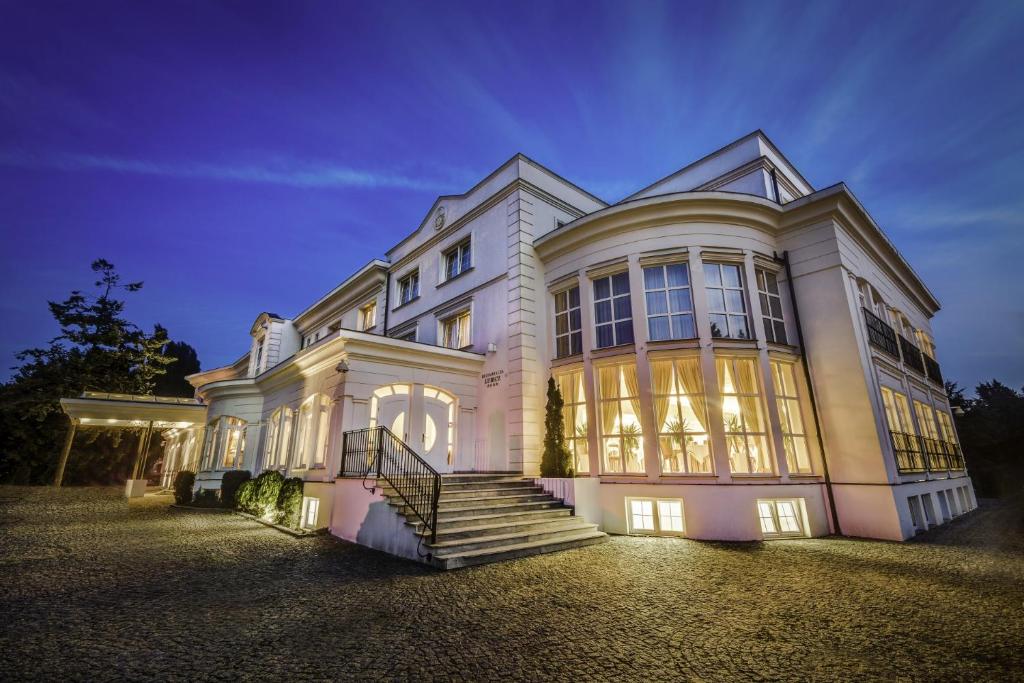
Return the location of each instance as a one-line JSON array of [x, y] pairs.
[[556, 460]]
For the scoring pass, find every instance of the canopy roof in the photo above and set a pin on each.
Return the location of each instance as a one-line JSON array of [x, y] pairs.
[[96, 409]]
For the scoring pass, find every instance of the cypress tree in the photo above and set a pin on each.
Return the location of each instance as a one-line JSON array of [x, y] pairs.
[[556, 460]]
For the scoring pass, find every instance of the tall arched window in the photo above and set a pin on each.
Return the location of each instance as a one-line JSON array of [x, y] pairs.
[[311, 431]]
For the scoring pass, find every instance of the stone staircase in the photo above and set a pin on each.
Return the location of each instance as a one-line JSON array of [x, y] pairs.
[[485, 518]]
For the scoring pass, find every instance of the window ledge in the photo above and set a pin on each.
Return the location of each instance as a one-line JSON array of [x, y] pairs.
[[804, 475], [765, 477], [789, 349], [567, 360], [670, 344], [454, 277], [729, 343], [683, 476], [410, 301], [610, 351]]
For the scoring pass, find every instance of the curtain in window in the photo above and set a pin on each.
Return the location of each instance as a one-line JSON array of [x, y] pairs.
[[632, 387], [689, 378], [661, 373], [746, 386], [609, 381]]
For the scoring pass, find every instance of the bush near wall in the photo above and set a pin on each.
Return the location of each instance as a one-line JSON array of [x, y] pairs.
[[229, 485], [289, 503], [183, 483], [267, 488], [246, 496], [206, 498]]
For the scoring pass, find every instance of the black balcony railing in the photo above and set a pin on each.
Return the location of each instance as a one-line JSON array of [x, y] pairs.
[[376, 451], [881, 335], [931, 367], [920, 454], [911, 354]]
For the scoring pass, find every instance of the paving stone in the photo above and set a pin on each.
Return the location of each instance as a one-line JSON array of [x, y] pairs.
[[98, 588]]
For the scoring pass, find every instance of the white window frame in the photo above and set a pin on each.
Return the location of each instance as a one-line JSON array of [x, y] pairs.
[[799, 517], [574, 413], [663, 292], [658, 507], [457, 259], [564, 310], [723, 288], [409, 284], [613, 321], [368, 316], [449, 323], [312, 427], [790, 405], [770, 321]]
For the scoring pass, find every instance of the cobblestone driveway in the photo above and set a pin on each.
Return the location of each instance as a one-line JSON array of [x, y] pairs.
[[95, 588]]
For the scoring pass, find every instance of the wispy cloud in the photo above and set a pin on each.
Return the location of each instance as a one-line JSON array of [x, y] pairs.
[[285, 173]]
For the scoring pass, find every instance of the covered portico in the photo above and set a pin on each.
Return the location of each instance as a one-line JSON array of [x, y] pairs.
[[128, 411]]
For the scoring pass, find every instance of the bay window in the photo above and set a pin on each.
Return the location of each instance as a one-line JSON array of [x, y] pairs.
[[727, 309], [455, 331], [771, 306], [613, 317], [746, 434], [225, 443], [574, 415], [669, 302], [794, 435], [680, 412], [568, 323], [457, 260], [619, 409]]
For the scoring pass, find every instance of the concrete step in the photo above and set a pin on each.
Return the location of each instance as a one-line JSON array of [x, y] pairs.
[[485, 484], [467, 558], [531, 497], [571, 526], [493, 508], [488, 502], [490, 527], [447, 494], [471, 520], [470, 478]]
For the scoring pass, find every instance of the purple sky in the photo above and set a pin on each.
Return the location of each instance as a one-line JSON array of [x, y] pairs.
[[248, 156]]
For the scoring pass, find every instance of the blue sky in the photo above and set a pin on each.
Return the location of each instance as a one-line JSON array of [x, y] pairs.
[[248, 156]]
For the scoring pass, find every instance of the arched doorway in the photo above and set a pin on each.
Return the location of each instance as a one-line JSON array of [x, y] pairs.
[[438, 429], [421, 416]]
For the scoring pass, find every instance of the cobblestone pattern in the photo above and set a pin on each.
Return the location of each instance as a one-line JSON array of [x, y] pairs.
[[96, 588]]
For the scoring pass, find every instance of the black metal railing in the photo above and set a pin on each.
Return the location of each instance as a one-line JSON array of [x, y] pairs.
[[931, 367], [911, 354], [881, 335], [377, 451], [921, 454]]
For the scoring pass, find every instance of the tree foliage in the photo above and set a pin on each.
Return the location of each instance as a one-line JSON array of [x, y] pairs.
[[97, 349], [556, 461], [991, 430]]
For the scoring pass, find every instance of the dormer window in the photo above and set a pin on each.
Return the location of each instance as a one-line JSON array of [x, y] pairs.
[[258, 364], [457, 260], [409, 287]]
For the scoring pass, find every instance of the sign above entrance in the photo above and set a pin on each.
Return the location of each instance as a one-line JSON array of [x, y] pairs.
[[493, 379]]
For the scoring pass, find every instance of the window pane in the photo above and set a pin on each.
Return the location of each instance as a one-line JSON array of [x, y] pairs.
[[561, 323], [574, 297], [712, 275], [622, 309], [620, 283], [773, 283], [716, 301], [780, 333], [731, 276], [603, 311], [624, 332], [654, 278], [776, 307], [764, 512], [719, 326], [576, 339], [604, 336], [734, 301], [787, 517], [679, 301], [562, 347], [658, 328], [678, 275], [575, 321], [683, 328], [602, 289], [657, 303], [738, 327], [670, 515], [560, 302]]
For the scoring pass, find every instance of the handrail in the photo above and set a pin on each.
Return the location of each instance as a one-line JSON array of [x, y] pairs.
[[377, 449], [920, 454], [881, 334], [911, 354]]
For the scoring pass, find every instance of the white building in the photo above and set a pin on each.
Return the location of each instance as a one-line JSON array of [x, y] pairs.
[[741, 357]]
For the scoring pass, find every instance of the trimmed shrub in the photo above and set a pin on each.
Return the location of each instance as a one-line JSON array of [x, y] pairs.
[[183, 483], [206, 498], [268, 488], [289, 503], [245, 496], [229, 485], [556, 460]]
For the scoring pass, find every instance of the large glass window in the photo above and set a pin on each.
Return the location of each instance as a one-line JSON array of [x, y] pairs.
[[680, 411], [455, 331], [771, 307], [946, 426], [726, 305], [456, 260], [225, 443], [270, 447], [409, 287], [904, 436], [746, 433], [613, 318], [669, 302], [568, 323], [311, 431], [574, 414], [794, 436], [619, 408], [926, 420]]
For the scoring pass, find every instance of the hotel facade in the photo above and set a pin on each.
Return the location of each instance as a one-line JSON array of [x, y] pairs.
[[741, 356]]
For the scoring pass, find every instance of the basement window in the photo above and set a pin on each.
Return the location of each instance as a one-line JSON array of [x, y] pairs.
[[781, 518], [310, 511], [655, 516]]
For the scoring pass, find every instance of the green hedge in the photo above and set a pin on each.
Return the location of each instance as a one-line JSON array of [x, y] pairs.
[[183, 483], [261, 498], [229, 485], [246, 496], [206, 498], [289, 503]]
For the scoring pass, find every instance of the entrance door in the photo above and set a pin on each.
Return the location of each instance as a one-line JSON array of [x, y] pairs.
[[438, 430], [393, 413]]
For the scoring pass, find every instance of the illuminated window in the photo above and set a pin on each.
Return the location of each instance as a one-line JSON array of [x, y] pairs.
[[655, 516], [680, 411], [780, 518], [457, 260], [455, 331], [613, 317], [727, 309], [794, 437], [904, 436], [311, 431], [574, 414], [409, 287], [619, 410], [310, 512], [669, 302], [368, 316], [946, 426], [225, 443], [568, 323], [271, 446], [926, 420], [745, 430], [771, 307]]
